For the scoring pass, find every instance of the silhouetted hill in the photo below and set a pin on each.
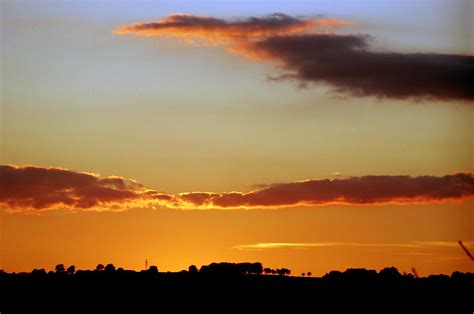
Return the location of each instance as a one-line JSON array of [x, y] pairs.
[[233, 286]]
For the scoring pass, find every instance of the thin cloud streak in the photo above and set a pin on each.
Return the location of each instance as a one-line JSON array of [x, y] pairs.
[[30, 188], [307, 245]]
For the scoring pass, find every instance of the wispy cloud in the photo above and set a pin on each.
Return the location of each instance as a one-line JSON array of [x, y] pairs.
[[307, 245], [227, 32], [307, 53], [24, 188]]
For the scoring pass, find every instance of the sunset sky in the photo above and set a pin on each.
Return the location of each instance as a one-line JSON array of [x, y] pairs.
[[314, 135]]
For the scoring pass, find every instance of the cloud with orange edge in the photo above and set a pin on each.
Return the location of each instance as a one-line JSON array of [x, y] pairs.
[[30, 188], [214, 30], [24, 188], [307, 53]]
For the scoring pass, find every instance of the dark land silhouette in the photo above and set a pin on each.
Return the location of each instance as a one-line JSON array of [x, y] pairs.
[[230, 286]]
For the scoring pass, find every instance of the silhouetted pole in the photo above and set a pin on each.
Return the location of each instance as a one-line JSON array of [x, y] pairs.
[[466, 250], [146, 264], [413, 270]]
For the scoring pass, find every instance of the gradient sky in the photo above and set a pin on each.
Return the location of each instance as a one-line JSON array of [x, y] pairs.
[[183, 118]]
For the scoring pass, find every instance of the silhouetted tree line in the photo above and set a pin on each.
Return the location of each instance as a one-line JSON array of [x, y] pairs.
[[213, 268], [234, 283], [277, 271]]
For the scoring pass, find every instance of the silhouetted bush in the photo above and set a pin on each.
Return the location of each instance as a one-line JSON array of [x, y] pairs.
[[38, 272], [109, 268], [390, 273], [59, 268], [71, 269], [153, 269], [283, 272]]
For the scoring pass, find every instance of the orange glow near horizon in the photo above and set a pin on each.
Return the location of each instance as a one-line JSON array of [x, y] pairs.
[[317, 240], [174, 232]]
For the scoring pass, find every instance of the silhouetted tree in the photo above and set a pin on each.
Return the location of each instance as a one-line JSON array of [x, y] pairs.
[[256, 268], [283, 272], [153, 269], [109, 268], [60, 268], [71, 270], [37, 272], [303, 274], [267, 270], [99, 267], [193, 269], [390, 273], [309, 274]]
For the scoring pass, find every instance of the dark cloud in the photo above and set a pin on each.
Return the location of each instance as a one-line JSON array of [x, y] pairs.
[[28, 187], [346, 63], [355, 190], [35, 188]]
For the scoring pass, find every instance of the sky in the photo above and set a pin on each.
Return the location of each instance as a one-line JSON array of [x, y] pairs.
[[312, 135]]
